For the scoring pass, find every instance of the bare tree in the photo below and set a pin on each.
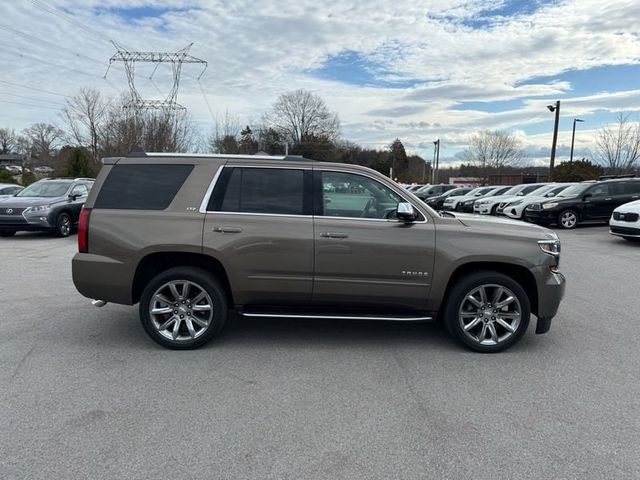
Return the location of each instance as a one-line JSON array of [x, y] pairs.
[[224, 137], [153, 131], [84, 115], [494, 150], [299, 115], [45, 138], [618, 145], [7, 140]]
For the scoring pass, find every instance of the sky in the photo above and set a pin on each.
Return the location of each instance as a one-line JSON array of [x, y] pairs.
[[414, 70]]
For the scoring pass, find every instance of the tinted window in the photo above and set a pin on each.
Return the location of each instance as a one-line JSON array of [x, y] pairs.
[[599, 190], [632, 188], [144, 187], [260, 190], [351, 195]]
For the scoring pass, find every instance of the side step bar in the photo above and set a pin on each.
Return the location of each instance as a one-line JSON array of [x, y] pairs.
[[334, 317]]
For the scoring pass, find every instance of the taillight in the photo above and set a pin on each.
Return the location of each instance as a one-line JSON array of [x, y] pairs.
[[83, 230]]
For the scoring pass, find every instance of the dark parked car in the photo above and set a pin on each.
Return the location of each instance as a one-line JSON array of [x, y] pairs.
[[9, 189], [47, 205], [437, 202], [584, 201], [191, 237], [432, 191]]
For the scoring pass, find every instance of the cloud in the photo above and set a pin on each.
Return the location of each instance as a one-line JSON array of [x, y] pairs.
[[419, 61]]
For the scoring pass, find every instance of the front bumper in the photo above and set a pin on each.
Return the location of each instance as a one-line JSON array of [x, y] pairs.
[[551, 290], [541, 216], [22, 223], [624, 229], [483, 209]]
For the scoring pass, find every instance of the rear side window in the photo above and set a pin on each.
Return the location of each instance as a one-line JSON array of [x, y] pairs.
[[142, 187], [632, 187], [262, 190]]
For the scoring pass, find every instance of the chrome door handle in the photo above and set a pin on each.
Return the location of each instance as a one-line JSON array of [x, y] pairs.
[[334, 235], [634, 196], [227, 229], [608, 198]]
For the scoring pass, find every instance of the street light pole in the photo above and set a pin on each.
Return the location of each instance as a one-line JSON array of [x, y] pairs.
[[573, 138], [554, 108], [436, 159]]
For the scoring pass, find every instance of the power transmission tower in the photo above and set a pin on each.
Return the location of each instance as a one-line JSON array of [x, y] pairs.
[[176, 59]]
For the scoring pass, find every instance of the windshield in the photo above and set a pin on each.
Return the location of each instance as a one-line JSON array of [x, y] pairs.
[[574, 190], [532, 189], [45, 189], [514, 190], [455, 192]]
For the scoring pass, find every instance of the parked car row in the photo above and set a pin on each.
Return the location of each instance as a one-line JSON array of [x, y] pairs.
[[50, 204], [562, 204]]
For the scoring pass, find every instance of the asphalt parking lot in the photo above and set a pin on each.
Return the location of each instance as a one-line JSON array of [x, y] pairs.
[[85, 394]]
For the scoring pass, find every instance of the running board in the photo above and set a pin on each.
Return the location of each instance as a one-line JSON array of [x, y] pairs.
[[335, 317]]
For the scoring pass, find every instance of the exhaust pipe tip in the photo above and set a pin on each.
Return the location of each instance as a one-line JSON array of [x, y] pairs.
[[98, 303]]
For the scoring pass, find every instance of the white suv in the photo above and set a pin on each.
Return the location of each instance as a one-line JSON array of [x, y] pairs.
[[625, 221], [489, 206], [515, 208]]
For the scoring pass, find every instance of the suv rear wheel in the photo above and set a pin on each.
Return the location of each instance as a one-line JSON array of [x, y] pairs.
[[487, 311], [567, 219], [183, 308]]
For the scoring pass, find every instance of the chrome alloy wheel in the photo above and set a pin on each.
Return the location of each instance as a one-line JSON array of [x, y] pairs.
[[568, 219], [181, 310], [490, 314]]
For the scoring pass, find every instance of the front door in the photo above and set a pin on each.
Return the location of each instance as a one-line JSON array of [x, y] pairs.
[[259, 225], [364, 256], [601, 202]]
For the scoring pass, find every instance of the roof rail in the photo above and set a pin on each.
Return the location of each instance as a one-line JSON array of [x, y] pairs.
[[140, 154], [613, 177]]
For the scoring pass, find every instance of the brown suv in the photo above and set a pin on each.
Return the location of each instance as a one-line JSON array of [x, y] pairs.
[[188, 237]]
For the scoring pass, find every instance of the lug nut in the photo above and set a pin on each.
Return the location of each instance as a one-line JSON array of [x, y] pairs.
[[493, 318], [175, 304], [175, 311], [181, 316]]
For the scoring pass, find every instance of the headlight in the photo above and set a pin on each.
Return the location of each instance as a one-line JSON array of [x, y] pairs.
[[482, 202], [39, 208], [513, 204], [469, 202], [547, 206], [552, 247]]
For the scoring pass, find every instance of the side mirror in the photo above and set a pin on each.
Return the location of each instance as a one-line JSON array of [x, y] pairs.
[[405, 212], [550, 194]]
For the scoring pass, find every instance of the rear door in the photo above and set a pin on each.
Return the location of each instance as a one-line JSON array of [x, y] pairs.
[[259, 224], [364, 257], [601, 202]]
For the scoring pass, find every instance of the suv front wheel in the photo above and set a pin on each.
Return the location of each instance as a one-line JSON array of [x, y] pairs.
[[183, 308], [487, 311]]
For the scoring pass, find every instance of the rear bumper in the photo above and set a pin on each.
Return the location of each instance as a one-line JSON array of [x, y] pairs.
[[96, 276]]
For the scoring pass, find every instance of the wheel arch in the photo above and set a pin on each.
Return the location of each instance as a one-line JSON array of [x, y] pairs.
[[156, 263], [517, 273]]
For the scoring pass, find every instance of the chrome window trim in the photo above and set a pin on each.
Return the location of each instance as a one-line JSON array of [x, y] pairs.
[[376, 180], [207, 195], [214, 181]]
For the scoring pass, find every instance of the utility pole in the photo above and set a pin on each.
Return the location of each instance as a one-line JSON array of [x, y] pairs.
[[554, 108], [436, 161], [573, 138]]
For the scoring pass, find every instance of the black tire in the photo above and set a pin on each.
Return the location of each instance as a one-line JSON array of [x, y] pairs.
[[63, 225], [7, 233], [494, 210], [200, 279], [459, 294], [564, 219]]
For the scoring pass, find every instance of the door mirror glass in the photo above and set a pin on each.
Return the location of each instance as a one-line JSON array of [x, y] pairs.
[[406, 212]]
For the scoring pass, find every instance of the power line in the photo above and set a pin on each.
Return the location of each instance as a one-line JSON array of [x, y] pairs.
[[29, 105], [30, 98], [35, 89], [206, 101]]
